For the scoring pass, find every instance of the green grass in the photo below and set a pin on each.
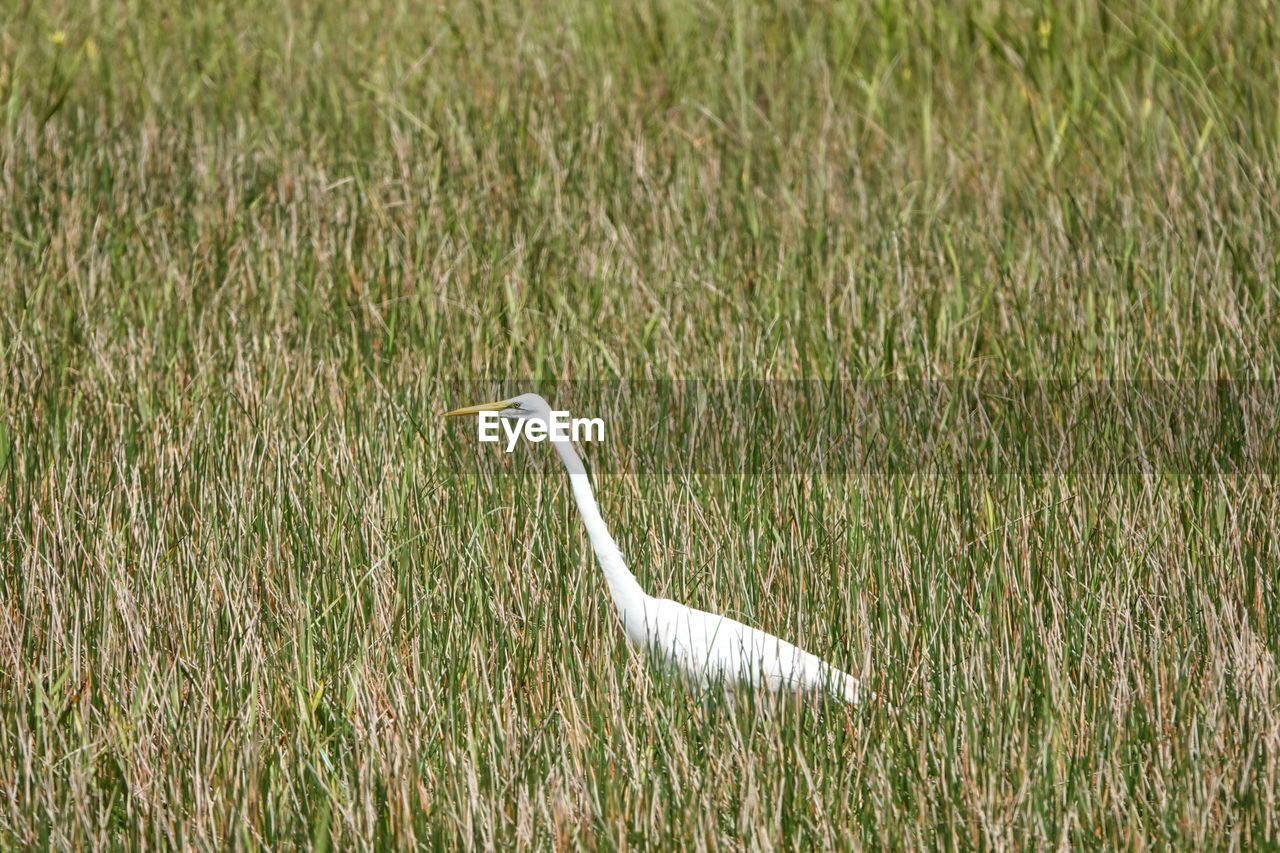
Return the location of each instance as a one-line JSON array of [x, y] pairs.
[[254, 591]]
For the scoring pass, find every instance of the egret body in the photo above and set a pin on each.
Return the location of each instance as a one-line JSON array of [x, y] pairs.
[[706, 647]]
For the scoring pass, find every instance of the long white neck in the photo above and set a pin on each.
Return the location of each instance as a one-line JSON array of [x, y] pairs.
[[627, 595]]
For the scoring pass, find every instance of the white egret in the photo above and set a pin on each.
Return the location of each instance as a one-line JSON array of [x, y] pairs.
[[705, 647]]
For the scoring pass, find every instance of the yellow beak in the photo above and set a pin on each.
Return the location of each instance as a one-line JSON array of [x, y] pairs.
[[483, 407]]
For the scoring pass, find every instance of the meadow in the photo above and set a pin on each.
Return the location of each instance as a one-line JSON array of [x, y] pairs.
[[940, 338]]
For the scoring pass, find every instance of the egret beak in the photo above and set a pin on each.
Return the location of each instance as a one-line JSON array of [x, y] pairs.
[[483, 407]]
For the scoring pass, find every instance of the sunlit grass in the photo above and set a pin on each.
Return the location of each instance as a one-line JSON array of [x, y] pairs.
[[254, 591]]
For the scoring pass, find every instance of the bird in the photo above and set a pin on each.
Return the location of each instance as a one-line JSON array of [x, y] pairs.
[[706, 648]]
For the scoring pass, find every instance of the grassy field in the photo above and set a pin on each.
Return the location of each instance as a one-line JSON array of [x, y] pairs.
[[1005, 280]]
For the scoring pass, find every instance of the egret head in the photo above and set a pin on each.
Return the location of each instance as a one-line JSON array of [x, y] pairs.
[[524, 407]]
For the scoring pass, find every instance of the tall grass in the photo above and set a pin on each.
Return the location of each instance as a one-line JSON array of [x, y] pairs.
[[254, 593]]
